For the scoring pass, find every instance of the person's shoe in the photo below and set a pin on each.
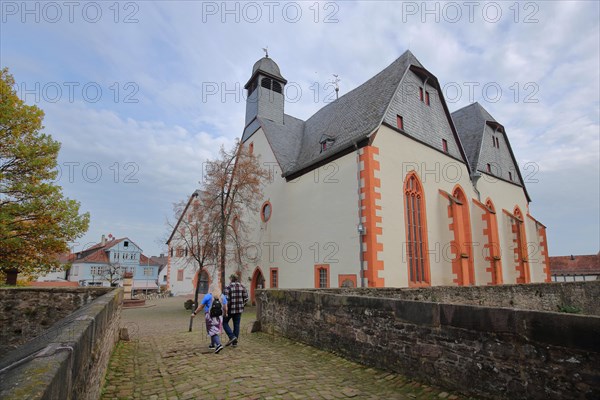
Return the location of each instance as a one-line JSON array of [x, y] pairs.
[[231, 341], [218, 349], [211, 346], [234, 343]]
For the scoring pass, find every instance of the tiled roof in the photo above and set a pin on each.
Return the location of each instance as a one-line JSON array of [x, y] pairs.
[[578, 264], [97, 253], [146, 261]]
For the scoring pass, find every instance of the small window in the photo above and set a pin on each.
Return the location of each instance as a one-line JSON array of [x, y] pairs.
[[400, 122], [322, 276], [147, 271], [179, 252], [265, 212], [274, 278], [171, 252], [510, 175], [180, 275], [326, 144], [126, 244], [277, 87], [186, 251], [251, 148], [497, 143], [266, 83], [445, 145], [427, 98], [489, 168], [421, 93]]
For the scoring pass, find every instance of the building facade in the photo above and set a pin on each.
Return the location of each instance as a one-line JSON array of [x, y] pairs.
[[104, 264], [384, 187]]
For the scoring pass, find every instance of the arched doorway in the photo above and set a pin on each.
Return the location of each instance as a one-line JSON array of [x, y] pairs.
[[258, 282], [204, 282]]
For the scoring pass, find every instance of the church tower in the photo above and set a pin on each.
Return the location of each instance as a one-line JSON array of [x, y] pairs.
[[265, 92]]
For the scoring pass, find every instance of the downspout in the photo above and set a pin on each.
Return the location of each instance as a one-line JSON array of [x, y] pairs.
[[474, 179], [360, 227]]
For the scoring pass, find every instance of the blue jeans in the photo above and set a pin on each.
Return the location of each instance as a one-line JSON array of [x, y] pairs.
[[236, 325], [215, 340]]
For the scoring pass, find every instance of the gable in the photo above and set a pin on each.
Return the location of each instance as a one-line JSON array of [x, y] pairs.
[[495, 152], [428, 123]]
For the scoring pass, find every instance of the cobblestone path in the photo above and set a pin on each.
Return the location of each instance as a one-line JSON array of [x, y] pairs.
[[165, 361]]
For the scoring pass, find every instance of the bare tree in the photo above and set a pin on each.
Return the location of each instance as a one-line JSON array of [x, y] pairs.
[[112, 273], [197, 234], [232, 186], [211, 221]]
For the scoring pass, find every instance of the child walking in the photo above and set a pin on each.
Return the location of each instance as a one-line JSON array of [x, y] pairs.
[[215, 305]]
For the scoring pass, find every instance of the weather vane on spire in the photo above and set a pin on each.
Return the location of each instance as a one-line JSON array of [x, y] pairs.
[[266, 50]]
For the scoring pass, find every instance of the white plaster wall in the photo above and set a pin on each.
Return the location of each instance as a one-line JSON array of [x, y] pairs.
[[482, 277], [314, 221], [399, 155], [536, 259], [506, 196]]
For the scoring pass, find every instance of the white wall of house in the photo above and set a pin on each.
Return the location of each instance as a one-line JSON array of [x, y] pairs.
[[314, 221]]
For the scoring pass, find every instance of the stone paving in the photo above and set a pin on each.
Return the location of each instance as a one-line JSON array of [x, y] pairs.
[[165, 361]]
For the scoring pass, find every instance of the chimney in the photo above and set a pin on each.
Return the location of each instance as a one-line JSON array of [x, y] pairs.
[[103, 242], [162, 255]]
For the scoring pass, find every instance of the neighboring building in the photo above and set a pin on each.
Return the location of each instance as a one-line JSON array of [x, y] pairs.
[[162, 262], [57, 276], [575, 268], [182, 269], [89, 267], [383, 187]]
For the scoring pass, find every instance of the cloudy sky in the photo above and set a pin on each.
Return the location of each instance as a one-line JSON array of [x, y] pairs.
[[141, 93]]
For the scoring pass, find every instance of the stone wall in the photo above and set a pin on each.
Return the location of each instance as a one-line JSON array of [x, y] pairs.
[[536, 296], [27, 312], [493, 352], [69, 360]]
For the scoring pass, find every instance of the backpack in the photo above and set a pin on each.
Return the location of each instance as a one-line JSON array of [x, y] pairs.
[[216, 310]]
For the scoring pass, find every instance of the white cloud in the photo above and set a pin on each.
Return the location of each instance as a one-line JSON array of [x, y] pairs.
[[171, 56]]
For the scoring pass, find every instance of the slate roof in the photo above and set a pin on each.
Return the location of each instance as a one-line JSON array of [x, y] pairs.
[[470, 123], [268, 67], [349, 119]]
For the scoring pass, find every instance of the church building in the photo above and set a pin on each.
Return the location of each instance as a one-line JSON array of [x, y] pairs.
[[384, 187]]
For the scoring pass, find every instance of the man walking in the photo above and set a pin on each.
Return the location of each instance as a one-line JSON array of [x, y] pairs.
[[237, 296]]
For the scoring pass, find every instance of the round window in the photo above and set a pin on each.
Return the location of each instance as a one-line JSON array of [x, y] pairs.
[[266, 212]]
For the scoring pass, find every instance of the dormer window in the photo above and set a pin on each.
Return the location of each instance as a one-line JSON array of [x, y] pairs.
[[326, 144], [400, 122]]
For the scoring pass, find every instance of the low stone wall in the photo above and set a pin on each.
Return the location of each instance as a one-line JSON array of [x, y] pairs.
[[69, 360], [492, 352], [27, 312], [582, 296]]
